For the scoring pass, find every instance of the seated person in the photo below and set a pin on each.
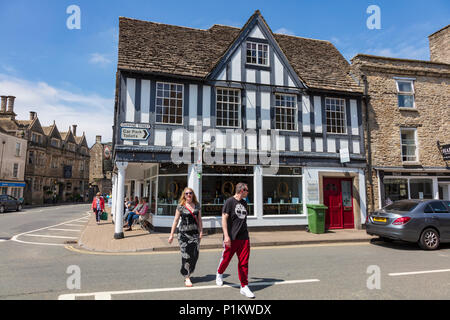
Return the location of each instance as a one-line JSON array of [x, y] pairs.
[[140, 210]]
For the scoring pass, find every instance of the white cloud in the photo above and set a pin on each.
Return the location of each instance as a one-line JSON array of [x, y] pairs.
[[91, 113], [99, 59], [285, 31]]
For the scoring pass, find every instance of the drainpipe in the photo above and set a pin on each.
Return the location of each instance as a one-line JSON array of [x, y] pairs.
[[366, 101]]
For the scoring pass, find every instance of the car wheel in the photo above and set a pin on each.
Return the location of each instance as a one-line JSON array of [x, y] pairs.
[[429, 240], [19, 207], [2, 209]]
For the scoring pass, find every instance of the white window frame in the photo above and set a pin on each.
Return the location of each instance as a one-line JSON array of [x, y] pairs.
[[416, 144], [18, 147], [239, 103], [344, 112], [170, 98], [284, 107], [257, 53], [412, 93]]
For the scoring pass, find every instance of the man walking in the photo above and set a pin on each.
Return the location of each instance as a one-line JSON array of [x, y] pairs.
[[236, 239]]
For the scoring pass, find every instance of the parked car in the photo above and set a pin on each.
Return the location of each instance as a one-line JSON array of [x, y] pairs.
[[8, 203], [426, 222]]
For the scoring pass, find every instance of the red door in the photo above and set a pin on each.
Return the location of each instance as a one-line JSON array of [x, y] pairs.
[[337, 195]]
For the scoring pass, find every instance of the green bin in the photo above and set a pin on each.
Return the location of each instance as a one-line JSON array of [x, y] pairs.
[[316, 217]]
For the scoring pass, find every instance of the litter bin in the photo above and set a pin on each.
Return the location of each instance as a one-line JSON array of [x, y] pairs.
[[316, 217]]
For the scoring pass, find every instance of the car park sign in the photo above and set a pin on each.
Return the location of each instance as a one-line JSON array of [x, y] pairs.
[[134, 131]]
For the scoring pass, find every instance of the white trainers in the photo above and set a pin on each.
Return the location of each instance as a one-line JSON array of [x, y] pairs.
[[246, 292], [219, 279]]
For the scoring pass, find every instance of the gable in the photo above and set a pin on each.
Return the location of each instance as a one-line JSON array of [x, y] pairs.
[[270, 66], [35, 126]]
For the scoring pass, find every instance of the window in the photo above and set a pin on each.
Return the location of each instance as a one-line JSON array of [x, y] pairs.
[[17, 149], [257, 53], [54, 143], [285, 112], [15, 170], [438, 207], [421, 188], [335, 111], [395, 189], [30, 157], [228, 107], [408, 144], [405, 93], [169, 103]]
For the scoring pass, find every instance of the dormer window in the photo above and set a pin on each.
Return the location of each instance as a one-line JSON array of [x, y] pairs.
[[257, 53]]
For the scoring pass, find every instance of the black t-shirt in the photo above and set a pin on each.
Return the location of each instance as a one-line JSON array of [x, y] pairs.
[[237, 218]]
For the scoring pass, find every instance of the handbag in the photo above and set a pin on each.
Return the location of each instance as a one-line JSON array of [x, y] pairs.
[[104, 216]]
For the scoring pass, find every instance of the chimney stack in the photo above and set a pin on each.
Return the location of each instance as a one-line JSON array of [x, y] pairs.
[[74, 129], [11, 103], [98, 139], [3, 106], [440, 45], [32, 115]]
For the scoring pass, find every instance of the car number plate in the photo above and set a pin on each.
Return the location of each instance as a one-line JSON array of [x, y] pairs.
[[379, 219]]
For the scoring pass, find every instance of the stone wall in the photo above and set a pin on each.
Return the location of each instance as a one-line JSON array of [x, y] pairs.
[[440, 45]]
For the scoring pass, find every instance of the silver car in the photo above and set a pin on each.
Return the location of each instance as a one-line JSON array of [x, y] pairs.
[[424, 221]]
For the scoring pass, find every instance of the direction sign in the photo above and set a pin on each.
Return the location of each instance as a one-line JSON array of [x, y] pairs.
[[130, 133]]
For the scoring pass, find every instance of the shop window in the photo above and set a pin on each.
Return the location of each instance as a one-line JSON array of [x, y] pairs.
[[421, 188], [218, 187], [282, 194], [395, 189], [170, 188]]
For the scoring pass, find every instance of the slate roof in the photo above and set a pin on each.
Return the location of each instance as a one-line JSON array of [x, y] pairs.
[[166, 49]]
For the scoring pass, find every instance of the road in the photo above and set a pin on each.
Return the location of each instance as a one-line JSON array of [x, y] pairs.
[[365, 271]]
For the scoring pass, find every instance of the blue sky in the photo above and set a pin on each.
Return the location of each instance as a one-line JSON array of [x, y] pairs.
[[69, 75]]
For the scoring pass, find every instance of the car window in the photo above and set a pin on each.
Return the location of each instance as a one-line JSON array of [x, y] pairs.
[[438, 207], [402, 206], [3, 197], [428, 209], [11, 198]]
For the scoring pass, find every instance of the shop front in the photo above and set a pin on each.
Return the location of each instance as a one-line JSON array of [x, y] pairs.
[[410, 184]]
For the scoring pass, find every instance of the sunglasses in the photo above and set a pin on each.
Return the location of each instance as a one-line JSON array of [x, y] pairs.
[[188, 193], [245, 190]]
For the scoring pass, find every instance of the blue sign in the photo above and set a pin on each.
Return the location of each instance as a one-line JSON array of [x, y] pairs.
[[12, 184]]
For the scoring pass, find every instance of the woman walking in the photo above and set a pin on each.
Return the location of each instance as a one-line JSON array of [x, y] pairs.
[[190, 231], [98, 206]]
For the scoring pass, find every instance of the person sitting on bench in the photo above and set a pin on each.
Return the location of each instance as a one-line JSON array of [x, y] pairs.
[[141, 210]]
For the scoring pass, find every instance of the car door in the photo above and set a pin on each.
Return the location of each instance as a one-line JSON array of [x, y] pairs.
[[441, 216], [11, 203]]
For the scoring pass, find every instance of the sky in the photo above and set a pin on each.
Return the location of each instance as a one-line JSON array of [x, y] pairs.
[[68, 75]]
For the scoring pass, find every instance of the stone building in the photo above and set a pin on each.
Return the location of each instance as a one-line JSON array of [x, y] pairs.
[[57, 163], [407, 120], [100, 166]]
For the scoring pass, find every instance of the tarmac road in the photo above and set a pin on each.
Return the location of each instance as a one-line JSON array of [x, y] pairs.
[[328, 271]]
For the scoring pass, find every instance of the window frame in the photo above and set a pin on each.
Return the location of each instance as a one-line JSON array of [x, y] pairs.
[[404, 93], [416, 145], [284, 107], [239, 107], [344, 112], [163, 106], [257, 53]]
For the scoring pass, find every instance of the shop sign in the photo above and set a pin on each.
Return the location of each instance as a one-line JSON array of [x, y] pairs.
[[134, 131], [446, 151], [344, 154]]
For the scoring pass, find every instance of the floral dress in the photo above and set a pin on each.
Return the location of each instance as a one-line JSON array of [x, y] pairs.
[[188, 239]]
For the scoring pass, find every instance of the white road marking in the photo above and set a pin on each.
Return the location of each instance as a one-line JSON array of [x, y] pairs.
[[106, 295], [16, 237], [74, 225], [76, 230], [417, 272], [47, 236]]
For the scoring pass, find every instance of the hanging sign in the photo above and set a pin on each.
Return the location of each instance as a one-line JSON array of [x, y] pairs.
[[134, 131], [446, 151]]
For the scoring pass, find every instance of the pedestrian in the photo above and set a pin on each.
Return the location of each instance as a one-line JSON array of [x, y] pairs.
[[190, 232], [235, 237], [98, 206], [140, 210]]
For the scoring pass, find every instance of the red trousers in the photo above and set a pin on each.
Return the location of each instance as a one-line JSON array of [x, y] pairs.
[[242, 250]]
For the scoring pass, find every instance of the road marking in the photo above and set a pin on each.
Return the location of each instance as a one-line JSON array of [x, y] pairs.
[[74, 225], [417, 272], [47, 236], [16, 237], [76, 230], [106, 295]]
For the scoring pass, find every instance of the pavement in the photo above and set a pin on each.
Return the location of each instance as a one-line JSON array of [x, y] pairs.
[[100, 238]]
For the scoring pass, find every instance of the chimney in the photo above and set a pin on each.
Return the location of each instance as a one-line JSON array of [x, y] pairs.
[[440, 45], [32, 115], [74, 129], [98, 139], [3, 106], [11, 103]]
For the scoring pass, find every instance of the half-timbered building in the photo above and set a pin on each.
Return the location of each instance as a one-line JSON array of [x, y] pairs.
[[211, 108]]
